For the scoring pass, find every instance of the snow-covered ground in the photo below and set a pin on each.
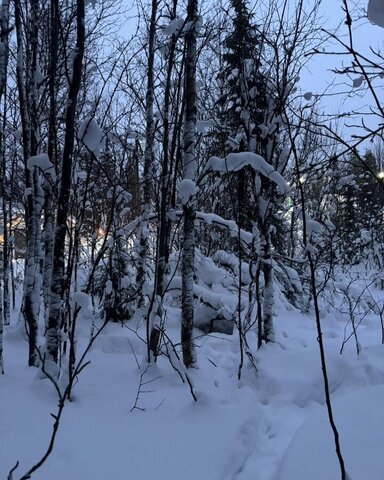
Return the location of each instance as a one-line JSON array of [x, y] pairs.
[[272, 425]]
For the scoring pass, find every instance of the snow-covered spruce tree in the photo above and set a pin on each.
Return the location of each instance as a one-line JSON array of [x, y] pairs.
[[243, 106], [58, 264], [114, 279], [240, 75], [187, 187], [258, 92], [119, 287]]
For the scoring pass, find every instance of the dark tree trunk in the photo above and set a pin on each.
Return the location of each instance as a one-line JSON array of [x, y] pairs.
[[4, 42], [189, 174], [148, 160], [49, 217], [58, 271], [164, 224]]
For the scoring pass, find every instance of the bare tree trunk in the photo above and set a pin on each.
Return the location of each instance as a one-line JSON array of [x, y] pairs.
[[6, 257], [189, 174], [27, 89], [4, 55], [58, 271], [164, 223], [4, 279], [49, 217], [1, 331], [259, 306], [268, 301], [148, 161]]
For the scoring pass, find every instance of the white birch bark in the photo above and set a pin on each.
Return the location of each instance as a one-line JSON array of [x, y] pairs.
[[32, 279], [189, 175], [268, 293], [28, 100], [148, 161], [49, 217]]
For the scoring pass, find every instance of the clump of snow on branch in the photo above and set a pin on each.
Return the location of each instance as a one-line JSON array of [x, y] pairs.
[[237, 161], [313, 228], [179, 26], [187, 189], [357, 82], [92, 136], [42, 161], [229, 225], [174, 27], [81, 299], [375, 12]]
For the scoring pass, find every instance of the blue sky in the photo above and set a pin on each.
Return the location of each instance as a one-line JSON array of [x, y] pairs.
[[318, 76]]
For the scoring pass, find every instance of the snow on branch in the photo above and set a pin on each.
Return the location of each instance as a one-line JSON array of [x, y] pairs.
[[313, 228], [230, 225], [92, 136], [180, 26], [42, 161], [375, 12], [207, 297], [187, 189], [237, 161]]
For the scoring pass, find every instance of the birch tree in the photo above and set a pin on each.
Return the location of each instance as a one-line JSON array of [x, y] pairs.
[[169, 138], [152, 329], [187, 187], [26, 74], [4, 58], [148, 156], [52, 149], [4, 280], [58, 263]]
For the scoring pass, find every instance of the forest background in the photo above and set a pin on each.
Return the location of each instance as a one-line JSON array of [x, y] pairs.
[[185, 184]]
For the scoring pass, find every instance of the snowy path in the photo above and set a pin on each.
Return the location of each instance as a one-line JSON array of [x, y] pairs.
[[294, 440]]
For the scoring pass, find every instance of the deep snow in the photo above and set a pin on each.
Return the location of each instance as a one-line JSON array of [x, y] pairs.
[[271, 425]]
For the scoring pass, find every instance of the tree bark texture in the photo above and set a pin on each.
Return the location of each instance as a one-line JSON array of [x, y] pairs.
[[4, 193], [148, 159], [57, 290], [26, 68], [189, 173]]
